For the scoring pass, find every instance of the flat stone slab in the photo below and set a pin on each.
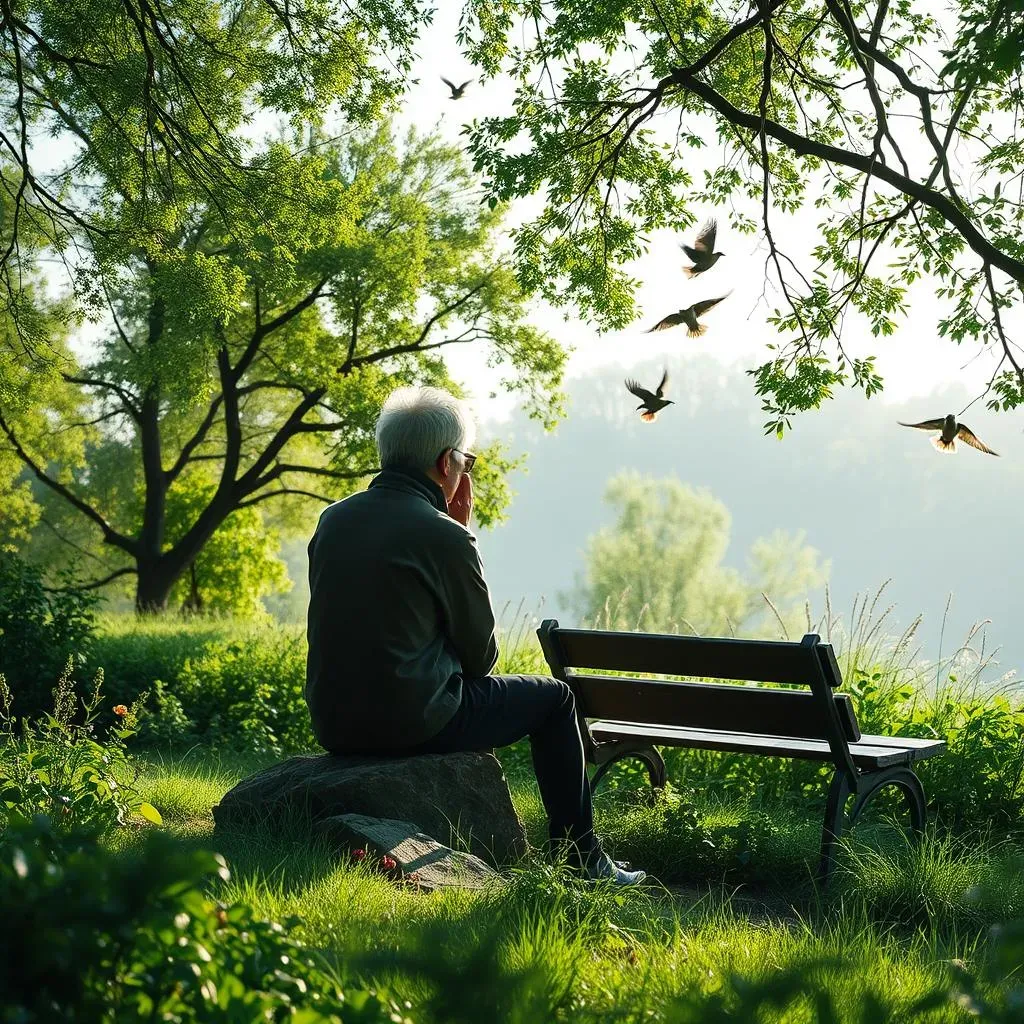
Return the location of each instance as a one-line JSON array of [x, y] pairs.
[[428, 864], [459, 800]]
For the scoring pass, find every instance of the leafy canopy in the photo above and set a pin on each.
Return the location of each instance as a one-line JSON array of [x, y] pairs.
[[247, 362], [894, 125]]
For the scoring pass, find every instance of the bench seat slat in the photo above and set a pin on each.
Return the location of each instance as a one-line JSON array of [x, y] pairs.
[[868, 752]]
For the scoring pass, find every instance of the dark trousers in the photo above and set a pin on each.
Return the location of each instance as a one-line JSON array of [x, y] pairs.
[[499, 710]]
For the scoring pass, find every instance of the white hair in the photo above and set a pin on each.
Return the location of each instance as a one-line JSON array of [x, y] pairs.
[[417, 424]]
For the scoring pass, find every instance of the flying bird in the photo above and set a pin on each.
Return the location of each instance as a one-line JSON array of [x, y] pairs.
[[702, 252], [689, 317], [651, 404], [950, 431], [457, 90]]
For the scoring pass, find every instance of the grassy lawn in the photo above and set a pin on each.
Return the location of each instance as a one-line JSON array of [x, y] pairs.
[[732, 927], [898, 917]]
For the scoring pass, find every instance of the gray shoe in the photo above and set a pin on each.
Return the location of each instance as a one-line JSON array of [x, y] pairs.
[[604, 868]]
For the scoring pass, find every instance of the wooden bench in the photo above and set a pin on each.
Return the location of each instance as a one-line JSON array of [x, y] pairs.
[[624, 716]]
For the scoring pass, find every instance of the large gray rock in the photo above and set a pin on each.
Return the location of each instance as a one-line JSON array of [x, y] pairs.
[[419, 859], [461, 800]]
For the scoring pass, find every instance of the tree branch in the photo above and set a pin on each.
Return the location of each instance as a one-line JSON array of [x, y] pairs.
[[185, 455], [375, 357], [248, 482], [802, 146], [1004, 341], [95, 583], [110, 535], [285, 490], [70, 543], [263, 329], [232, 422], [127, 398], [441, 313]]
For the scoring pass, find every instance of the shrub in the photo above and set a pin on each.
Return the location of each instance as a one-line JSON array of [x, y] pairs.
[[99, 938], [136, 651], [249, 693], [222, 681], [39, 631], [60, 769]]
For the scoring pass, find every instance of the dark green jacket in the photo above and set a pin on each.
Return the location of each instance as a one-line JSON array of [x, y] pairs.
[[399, 612]]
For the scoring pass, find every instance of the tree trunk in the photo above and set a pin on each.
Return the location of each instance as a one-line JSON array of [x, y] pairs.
[[193, 604], [153, 589], [159, 573]]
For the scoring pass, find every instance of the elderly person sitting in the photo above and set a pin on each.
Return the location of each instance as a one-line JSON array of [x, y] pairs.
[[401, 629]]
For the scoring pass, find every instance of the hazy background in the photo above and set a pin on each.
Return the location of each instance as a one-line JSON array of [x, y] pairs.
[[873, 497]]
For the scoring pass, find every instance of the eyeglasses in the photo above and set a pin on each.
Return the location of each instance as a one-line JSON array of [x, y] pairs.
[[468, 458]]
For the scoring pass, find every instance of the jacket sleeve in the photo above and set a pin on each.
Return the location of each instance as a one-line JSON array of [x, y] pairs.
[[469, 617]]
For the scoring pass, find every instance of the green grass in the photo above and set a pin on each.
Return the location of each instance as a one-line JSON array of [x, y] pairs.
[[898, 917], [734, 847]]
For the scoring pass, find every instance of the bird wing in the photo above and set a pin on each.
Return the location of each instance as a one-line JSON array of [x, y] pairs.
[[450, 84], [706, 239], [967, 436], [670, 321], [925, 424], [464, 84], [693, 254], [660, 393], [642, 393], [702, 307]]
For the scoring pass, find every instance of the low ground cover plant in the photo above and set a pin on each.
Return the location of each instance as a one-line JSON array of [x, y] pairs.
[[59, 765]]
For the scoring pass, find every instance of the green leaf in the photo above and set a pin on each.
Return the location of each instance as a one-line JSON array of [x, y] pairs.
[[150, 813]]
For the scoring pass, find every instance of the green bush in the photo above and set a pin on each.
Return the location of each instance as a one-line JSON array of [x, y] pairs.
[[134, 651], [39, 631], [227, 682], [58, 767], [98, 938], [249, 693]]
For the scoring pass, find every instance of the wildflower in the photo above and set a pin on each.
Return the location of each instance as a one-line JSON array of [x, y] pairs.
[[388, 863], [359, 854], [120, 710]]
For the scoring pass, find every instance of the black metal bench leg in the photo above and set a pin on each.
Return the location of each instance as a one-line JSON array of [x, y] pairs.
[[867, 786], [839, 792], [909, 785], [655, 763], [651, 758]]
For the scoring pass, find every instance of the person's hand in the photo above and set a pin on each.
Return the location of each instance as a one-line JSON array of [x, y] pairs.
[[460, 508]]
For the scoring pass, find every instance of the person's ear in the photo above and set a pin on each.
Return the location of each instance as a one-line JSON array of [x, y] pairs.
[[444, 463]]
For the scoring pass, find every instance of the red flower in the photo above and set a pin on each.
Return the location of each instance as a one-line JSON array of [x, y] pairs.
[[120, 710], [359, 854], [388, 863]]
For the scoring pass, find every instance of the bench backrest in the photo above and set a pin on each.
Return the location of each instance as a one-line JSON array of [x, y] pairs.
[[815, 713]]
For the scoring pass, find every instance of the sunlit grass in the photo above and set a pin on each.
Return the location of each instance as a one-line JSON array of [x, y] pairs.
[[606, 953]]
